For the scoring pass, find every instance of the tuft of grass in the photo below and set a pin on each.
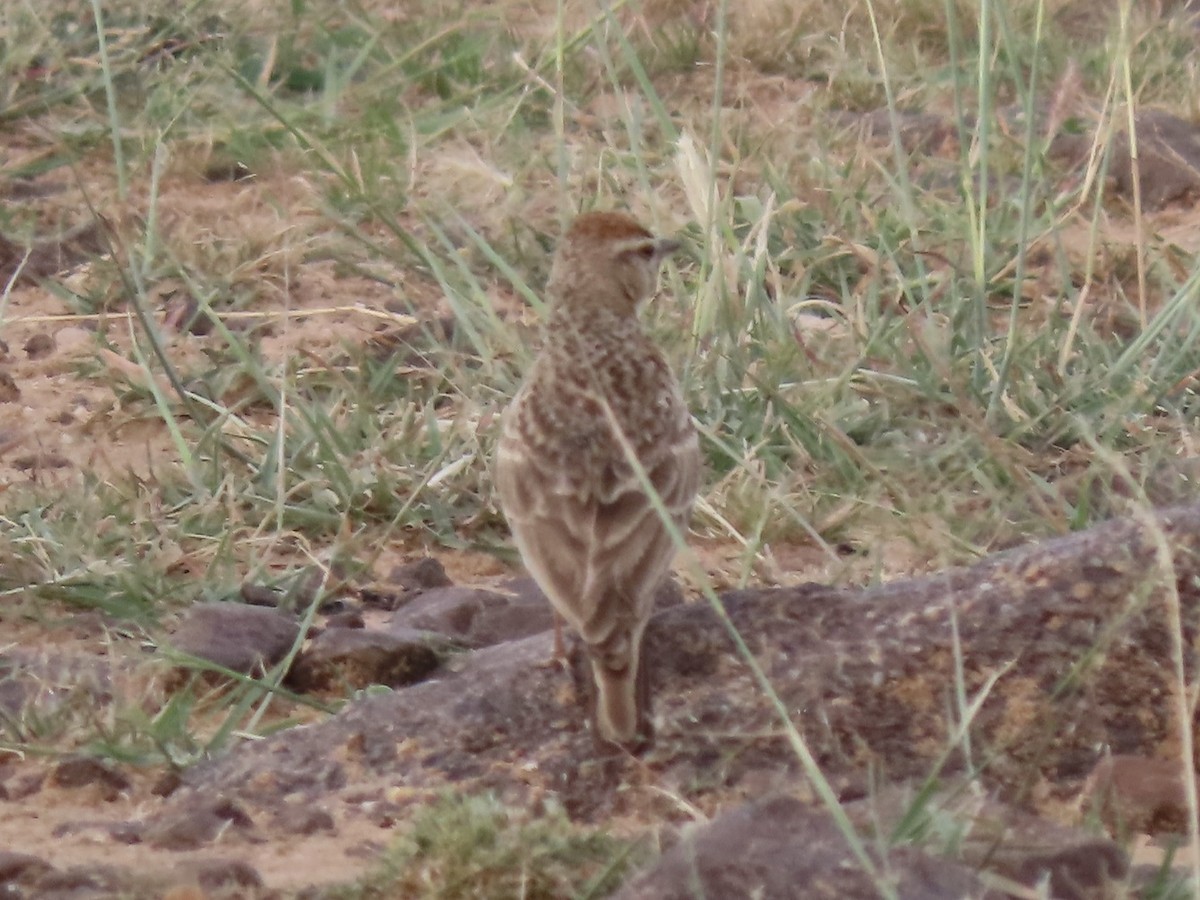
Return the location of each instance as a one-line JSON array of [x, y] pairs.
[[477, 847]]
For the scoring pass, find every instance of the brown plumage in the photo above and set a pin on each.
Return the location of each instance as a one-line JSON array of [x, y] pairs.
[[599, 392]]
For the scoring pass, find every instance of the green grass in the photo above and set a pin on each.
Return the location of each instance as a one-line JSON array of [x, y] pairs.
[[939, 355], [478, 847]]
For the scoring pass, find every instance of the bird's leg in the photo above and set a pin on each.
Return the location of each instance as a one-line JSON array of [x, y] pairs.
[[645, 719], [558, 659], [560, 649]]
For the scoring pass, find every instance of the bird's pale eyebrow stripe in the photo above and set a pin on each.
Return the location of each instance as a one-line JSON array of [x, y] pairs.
[[637, 245]]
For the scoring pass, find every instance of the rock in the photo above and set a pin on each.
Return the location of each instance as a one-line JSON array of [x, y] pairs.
[[419, 575], [344, 658], [40, 461], [227, 169], [9, 392], [192, 825], [871, 669], [46, 257], [221, 875], [18, 787], [779, 849], [72, 338], [81, 771], [1135, 794], [526, 591], [183, 312], [166, 784], [260, 595], [347, 618], [1168, 158], [919, 132], [123, 832], [418, 344], [305, 820], [869, 675], [44, 682], [247, 639], [85, 882], [476, 617], [39, 345], [405, 582], [21, 868], [998, 838], [482, 618], [322, 585]]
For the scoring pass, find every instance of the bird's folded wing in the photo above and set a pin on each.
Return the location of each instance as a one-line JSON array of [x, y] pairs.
[[599, 549]]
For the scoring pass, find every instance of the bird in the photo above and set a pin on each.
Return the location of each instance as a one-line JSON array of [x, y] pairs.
[[598, 404]]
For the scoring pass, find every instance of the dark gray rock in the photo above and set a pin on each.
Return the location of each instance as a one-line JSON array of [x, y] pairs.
[[20, 868], [194, 824], [81, 771], [305, 820], [223, 875], [352, 658], [420, 575], [779, 849], [1168, 169], [998, 838], [248, 639], [477, 617]]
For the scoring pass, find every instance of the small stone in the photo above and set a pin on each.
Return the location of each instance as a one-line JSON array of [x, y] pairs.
[[1139, 794], [242, 638], [82, 881], [349, 618], [382, 597], [72, 338], [420, 575], [166, 784], [21, 867], [773, 847], [18, 787], [477, 617], [305, 820], [260, 595], [342, 658], [9, 392], [319, 584], [184, 313], [81, 771], [187, 829], [227, 169], [39, 461], [224, 874], [385, 814], [124, 832], [1073, 863], [40, 345]]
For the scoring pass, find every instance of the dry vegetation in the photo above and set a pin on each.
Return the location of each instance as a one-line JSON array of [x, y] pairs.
[[316, 231]]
